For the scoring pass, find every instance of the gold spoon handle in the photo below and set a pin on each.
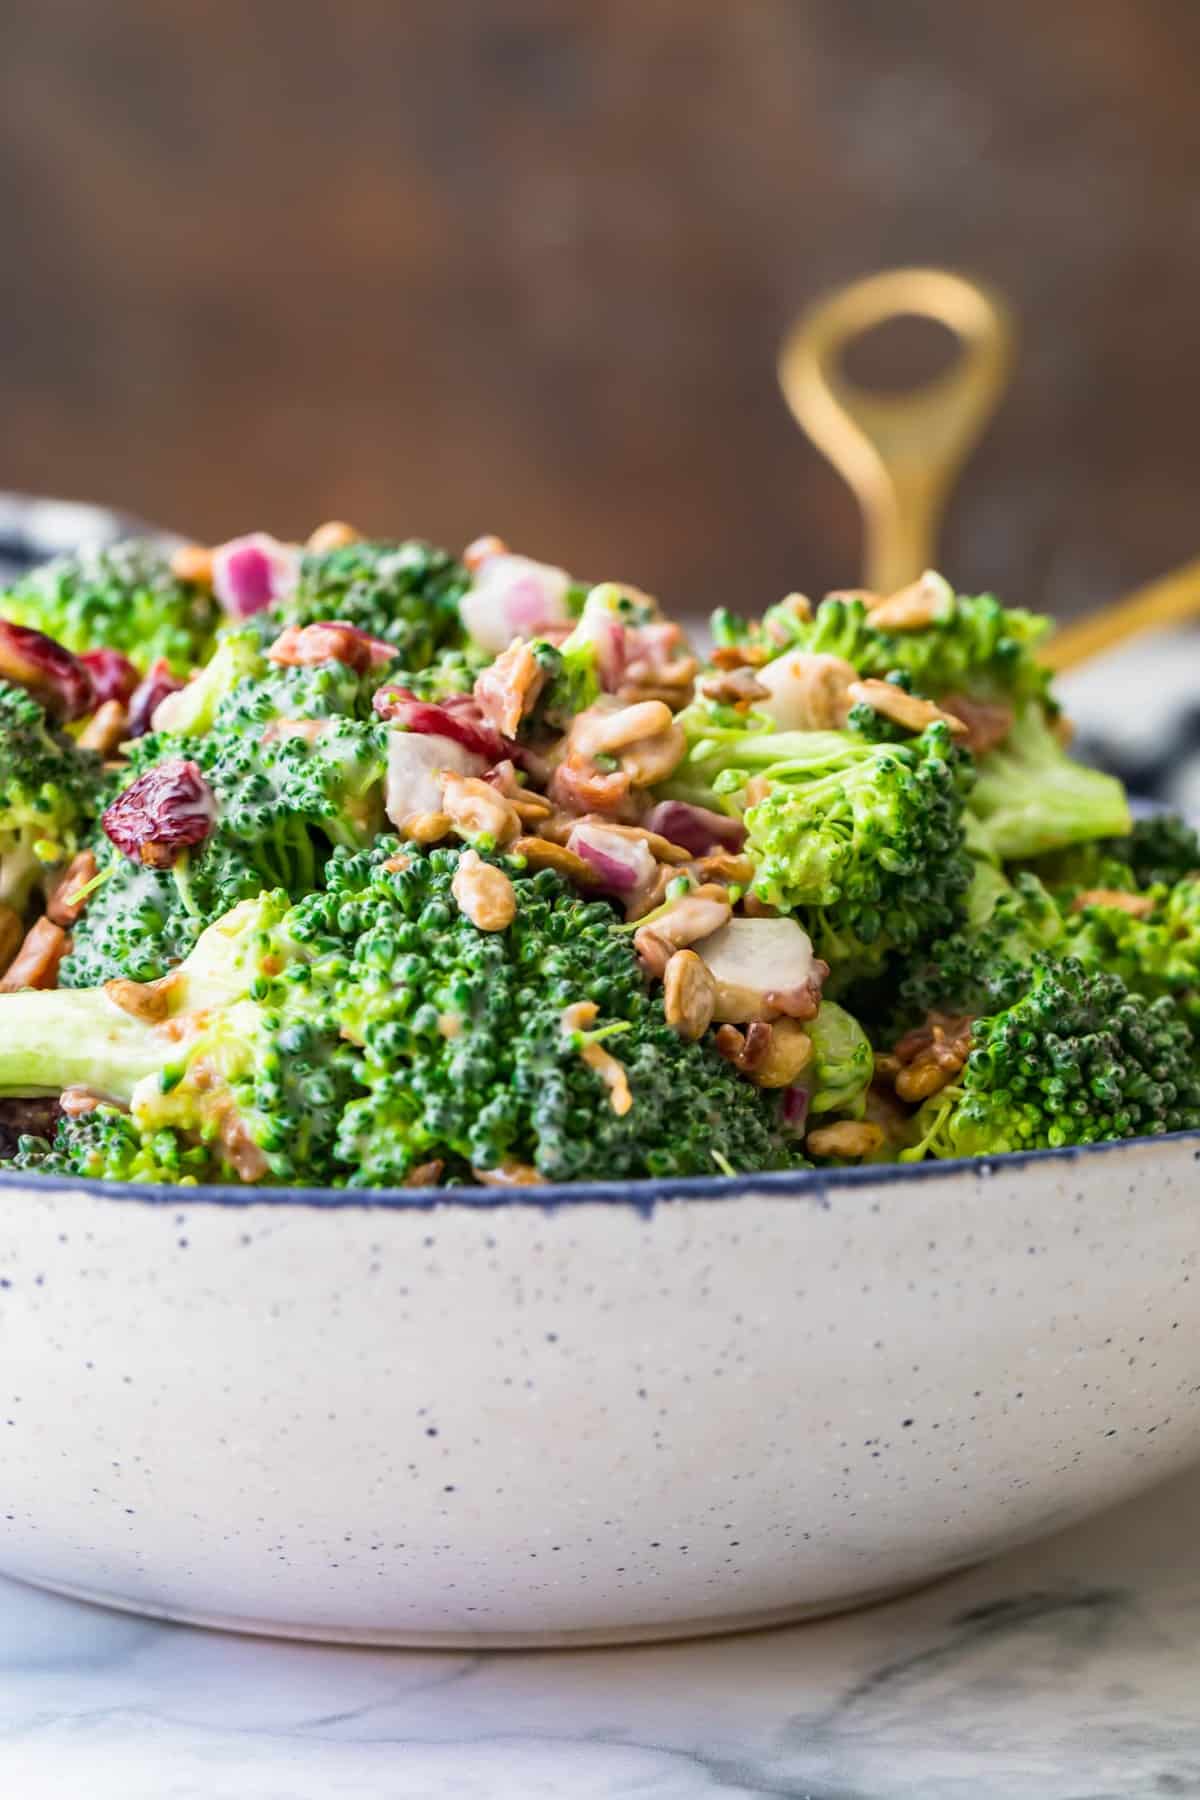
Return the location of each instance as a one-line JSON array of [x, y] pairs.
[[1173, 599], [899, 453]]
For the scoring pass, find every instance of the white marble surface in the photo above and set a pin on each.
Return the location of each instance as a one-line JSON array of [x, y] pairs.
[[1070, 1671]]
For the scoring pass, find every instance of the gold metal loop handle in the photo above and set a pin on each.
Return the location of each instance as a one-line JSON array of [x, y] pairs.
[[900, 453]]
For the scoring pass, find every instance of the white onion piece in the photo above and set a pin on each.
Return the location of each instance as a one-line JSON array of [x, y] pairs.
[[512, 596], [254, 571], [806, 691], [625, 865], [751, 958], [416, 762]]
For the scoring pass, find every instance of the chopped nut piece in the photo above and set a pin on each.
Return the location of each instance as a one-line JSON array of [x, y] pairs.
[[789, 1050], [689, 995], [193, 562], [913, 607], [427, 828], [754, 908], [509, 1173], [800, 607], [722, 865], [335, 534], [660, 847], [688, 921], [845, 1137], [484, 893], [61, 906], [580, 1017], [11, 933], [148, 1000], [426, 1174], [1138, 906], [929, 1057], [756, 790], [739, 656], [36, 962], [481, 548], [735, 687], [105, 729], [602, 731], [279, 730], [76, 1102], [396, 865], [509, 688], [475, 809], [746, 1050], [540, 853], [906, 709]]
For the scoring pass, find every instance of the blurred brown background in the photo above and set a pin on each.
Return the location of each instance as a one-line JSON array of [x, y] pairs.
[[448, 267]]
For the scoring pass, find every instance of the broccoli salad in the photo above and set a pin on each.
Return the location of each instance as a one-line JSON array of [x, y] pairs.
[[357, 864]]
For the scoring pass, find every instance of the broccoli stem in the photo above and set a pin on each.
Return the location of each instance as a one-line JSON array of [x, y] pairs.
[[59, 1038]]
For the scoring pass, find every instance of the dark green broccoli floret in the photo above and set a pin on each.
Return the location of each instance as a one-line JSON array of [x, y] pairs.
[[1032, 798], [1077, 1060], [1154, 955], [282, 805], [986, 966], [405, 593], [107, 1145], [1158, 852], [973, 646], [48, 792], [371, 1030], [862, 841], [122, 598]]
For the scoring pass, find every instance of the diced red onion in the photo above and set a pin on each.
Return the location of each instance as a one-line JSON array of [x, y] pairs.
[[624, 865], [113, 676], [154, 686], [795, 1107], [512, 596], [695, 828], [254, 571], [162, 814]]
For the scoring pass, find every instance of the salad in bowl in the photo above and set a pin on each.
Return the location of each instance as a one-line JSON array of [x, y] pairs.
[[353, 864]]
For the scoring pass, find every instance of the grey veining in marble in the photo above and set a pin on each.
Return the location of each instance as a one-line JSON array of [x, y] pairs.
[[1070, 1671]]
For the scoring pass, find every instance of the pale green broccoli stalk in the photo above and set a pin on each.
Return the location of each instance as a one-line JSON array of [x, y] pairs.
[[1031, 797]]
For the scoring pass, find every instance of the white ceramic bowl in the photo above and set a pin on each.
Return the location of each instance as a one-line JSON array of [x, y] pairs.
[[590, 1414]]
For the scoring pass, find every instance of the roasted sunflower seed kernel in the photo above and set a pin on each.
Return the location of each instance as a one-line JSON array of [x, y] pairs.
[[484, 893], [689, 995]]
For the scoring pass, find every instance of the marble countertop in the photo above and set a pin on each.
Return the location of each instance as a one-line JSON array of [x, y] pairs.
[[1069, 1671]]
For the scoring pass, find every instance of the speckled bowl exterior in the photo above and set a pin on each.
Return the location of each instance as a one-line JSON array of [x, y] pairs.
[[590, 1414]]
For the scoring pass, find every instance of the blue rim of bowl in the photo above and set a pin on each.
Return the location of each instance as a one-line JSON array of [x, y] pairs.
[[642, 1196]]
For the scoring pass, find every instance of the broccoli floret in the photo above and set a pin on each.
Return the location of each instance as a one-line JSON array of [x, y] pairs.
[[986, 966], [973, 646], [862, 841], [107, 1145], [1077, 1059], [49, 789], [121, 598], [404, 593], [842, 1062], [372, 1030], [282, 805], [1153, 955], [1031, 797], [1158, 852]]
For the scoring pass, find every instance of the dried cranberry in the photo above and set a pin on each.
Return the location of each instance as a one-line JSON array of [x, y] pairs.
[[59, 680], [457, 717], [162, 813], [155, 685], [113, 675]]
